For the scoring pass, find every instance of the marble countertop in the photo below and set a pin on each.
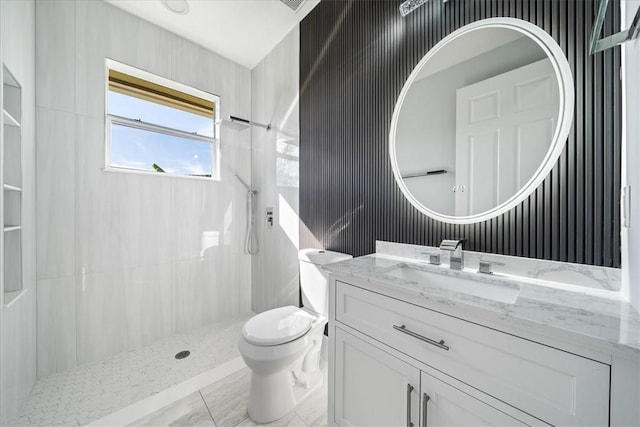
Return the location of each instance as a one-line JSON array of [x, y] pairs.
[[539, 308]]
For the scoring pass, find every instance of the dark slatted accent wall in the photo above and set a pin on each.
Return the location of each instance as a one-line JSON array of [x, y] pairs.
[[354, 59]]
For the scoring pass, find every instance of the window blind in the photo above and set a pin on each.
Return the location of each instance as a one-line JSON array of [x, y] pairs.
[[143, 89]]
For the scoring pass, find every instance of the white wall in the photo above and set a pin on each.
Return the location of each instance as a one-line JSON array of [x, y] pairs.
[[631, 236], [18, 321], [127, 259], [275, 174]]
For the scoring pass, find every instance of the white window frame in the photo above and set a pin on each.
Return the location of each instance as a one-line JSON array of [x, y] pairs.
[[138, 124]]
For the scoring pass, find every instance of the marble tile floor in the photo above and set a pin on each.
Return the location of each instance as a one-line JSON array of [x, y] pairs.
[[87, 393], [224, 404]]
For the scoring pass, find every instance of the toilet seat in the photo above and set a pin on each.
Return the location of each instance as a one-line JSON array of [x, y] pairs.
[[277, 326]]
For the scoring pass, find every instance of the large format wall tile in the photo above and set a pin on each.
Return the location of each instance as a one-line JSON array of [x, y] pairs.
[[128, 222], [148, 303], [122, 309], [205, 218], [89, 29], [275, 170], [56, 325], [55, 51], [18, 355], [195, 294], [102, 328], [56, 197], [209, 289]]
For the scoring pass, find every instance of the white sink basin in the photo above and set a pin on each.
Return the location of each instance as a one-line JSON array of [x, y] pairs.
[[502, 292]]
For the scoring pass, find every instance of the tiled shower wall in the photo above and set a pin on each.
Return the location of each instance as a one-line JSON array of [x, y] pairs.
[[275, 174], [126, 259], [18, 321]]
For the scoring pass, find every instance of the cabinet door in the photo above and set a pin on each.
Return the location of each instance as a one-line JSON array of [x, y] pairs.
[[373, 388], [445, 405]]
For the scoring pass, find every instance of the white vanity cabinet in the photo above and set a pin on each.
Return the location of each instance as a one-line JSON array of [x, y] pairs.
[[375, 388], [391, 358]]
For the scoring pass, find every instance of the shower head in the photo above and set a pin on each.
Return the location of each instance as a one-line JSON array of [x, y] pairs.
[[238, 123], [409, 6]]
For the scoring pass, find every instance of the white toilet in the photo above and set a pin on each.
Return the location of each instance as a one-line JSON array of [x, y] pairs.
[[282, 346]]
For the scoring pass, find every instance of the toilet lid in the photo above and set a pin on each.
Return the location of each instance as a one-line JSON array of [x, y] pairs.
[[277, 326]]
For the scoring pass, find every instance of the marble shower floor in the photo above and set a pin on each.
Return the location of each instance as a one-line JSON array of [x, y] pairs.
[[224, 404], [89, 392]]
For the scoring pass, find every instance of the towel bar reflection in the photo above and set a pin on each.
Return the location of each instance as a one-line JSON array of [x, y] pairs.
[[426, 173]]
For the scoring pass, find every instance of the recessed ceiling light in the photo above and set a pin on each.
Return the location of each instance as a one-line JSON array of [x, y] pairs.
[[293, 4], [178, 6]]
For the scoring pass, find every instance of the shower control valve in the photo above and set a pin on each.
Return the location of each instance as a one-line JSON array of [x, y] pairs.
[[269, 216]]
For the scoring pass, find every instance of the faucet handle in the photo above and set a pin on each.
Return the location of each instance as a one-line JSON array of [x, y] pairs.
[[434, 258], [485, 267]]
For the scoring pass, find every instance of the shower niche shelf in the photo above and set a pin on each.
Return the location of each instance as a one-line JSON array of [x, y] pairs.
[[11, 188], [9, 120]]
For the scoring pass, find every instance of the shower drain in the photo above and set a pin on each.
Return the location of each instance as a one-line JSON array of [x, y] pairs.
[[182, 354]]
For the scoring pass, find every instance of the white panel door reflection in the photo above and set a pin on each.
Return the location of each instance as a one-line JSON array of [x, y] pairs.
[[504, 127]]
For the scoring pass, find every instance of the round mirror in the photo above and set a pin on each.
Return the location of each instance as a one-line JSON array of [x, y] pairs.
[[481, 120]]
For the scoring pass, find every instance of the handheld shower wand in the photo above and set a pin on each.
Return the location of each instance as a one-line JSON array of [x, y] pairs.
[[251, 240], [251, 245]]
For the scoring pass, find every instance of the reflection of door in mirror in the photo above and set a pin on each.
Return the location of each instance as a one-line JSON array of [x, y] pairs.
[[481, 120], [504, 126]]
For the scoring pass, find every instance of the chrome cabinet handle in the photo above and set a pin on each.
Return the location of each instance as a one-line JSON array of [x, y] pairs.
[[439, 344], [409, 390], [425, 400]]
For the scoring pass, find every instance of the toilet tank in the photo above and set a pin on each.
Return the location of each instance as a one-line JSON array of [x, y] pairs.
[[314, 281]]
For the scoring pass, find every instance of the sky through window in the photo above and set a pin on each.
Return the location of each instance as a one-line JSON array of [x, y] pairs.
[[141, 149]]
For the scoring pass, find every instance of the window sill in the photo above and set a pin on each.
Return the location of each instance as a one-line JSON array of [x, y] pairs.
[[158, 174]]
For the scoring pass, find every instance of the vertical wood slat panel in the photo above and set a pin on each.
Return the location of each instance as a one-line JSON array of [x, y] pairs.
[[354, 59]]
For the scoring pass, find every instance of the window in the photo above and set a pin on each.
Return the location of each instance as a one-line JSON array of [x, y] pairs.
[[157, 126]]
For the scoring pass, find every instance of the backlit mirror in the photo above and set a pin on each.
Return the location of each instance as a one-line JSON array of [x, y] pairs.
[[481, 120]]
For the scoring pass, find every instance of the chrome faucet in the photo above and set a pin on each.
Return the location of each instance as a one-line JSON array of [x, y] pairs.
[[456, 259]]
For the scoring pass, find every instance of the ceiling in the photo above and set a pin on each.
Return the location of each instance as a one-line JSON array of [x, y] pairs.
[[244, 31]]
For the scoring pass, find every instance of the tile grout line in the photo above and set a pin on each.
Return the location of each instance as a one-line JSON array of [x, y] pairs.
[[295, 411], [207, 406]]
